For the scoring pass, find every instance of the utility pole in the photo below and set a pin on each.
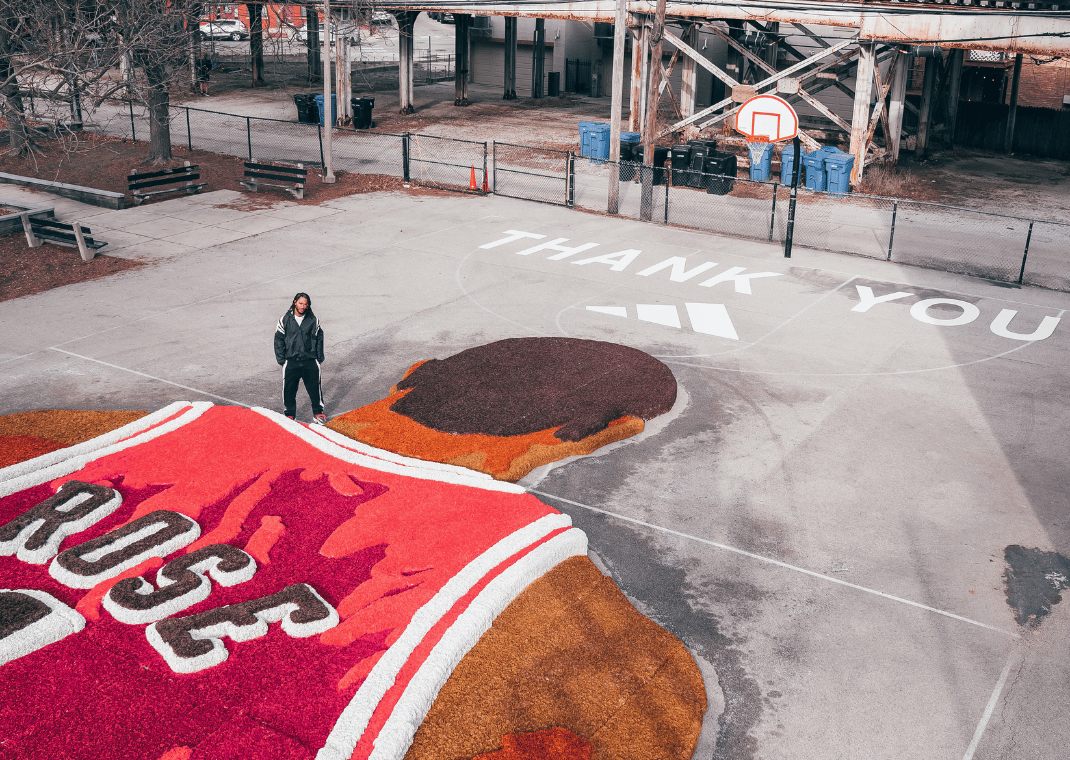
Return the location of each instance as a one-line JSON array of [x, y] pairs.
[[619, 30], [328, 121], [646, 205]]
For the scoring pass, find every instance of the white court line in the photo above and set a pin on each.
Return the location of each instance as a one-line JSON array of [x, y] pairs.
[[991, 706], [150, 377], [778, 563]]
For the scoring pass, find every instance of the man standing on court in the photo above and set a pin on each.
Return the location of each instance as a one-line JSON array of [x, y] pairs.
[[299, 349]]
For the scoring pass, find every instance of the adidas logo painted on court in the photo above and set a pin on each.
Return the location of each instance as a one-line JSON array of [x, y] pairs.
[[705, 318]]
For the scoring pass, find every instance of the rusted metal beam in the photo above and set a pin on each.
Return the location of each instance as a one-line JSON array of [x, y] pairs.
[[689, 76], [700, 59], [767, 82], [863, 88], [637, 79]]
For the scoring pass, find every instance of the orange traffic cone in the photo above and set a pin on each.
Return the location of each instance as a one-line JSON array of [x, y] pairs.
[[486, 189], [472, 182]]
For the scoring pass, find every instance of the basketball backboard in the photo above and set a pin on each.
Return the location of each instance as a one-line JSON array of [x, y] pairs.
[[767, 116]]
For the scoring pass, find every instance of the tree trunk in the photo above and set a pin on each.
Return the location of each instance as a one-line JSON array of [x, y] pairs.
[[159, 114], [13, 108], [256, 42]]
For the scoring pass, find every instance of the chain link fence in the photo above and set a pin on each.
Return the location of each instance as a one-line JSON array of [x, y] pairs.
[[446, 163], [994, 246], [536, 174]]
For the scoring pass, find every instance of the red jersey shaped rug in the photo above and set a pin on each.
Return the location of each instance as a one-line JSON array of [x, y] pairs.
[[227, 579]]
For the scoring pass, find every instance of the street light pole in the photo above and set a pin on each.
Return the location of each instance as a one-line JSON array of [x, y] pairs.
[[328, 121]]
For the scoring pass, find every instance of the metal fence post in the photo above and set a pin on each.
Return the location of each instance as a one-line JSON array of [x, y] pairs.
[[665, 220], [133, 132], [189, 133], [1028, 237], [249, 136], [570, 180], [319, 132], [405, 156], [485, 188], [494, 150], [891, 232], [772, 212]]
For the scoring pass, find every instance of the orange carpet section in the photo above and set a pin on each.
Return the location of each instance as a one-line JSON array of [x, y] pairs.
[[551, 744], [502, 457], [571, 652], [31, 434]]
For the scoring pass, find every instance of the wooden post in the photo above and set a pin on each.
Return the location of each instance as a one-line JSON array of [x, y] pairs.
[[644, 76], [256, 42], [510, 58], [343, 80], [925, 113], [634, 117], [650, 128], [860, 115], [538, 63], [897, 103], [616, 100], [328, 123], [689, 80], [953, 93], [1008, 139], [460, 79]]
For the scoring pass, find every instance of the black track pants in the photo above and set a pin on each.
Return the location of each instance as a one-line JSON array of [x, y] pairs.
[[309, 372]]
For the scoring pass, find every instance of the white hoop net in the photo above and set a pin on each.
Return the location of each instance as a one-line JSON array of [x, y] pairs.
[[758, 149]]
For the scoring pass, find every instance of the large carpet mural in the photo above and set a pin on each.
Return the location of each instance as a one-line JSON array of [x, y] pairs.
[[217, 582]]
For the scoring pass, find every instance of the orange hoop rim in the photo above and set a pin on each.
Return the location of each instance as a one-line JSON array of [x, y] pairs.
[[757, 138]]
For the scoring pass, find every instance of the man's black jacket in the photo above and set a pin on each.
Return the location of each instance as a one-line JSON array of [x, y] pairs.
[[298, 342]]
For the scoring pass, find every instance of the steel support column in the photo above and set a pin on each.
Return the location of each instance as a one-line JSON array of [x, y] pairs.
[[860, 114], [510, 58], [538, 64], [1008, 138], [895, 104], [462, 23], [689, 79], [953, 92], [406, 64], [925, 113], [616, 100]]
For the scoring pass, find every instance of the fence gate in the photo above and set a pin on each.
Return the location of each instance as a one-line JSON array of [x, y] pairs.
[[534, 174], [447, 163]]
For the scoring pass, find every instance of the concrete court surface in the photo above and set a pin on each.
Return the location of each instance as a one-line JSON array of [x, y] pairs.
[[822, 517]]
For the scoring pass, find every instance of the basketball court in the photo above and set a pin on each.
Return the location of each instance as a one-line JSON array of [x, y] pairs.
[[822, 518]]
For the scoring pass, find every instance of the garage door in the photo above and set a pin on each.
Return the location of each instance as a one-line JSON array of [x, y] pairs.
[[488, 65]]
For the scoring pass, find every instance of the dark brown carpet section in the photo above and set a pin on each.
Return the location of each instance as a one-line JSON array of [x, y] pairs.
[[522, 385], [570, 651]]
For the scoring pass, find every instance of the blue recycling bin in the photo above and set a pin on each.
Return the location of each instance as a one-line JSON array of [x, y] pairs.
[[787, 162], [599, 137], [586, 129], [838, 167], [759, 170], [815, 169], [334, 107]]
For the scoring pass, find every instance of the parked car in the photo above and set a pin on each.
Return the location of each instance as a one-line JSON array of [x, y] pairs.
[[445, 18], [223, 29], [348, 33], [382, 17]]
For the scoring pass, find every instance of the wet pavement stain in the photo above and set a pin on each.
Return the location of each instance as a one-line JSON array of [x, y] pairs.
[[1033, 580]]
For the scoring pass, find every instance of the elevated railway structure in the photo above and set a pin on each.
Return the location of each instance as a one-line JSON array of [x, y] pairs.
[[876, 57]]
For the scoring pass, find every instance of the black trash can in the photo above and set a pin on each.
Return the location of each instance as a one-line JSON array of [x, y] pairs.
[[626, 168], [362, 112], [661, 155], [697, 167], [307, 113], [723, 164], [680, 155], [553, 84], [711, 144]]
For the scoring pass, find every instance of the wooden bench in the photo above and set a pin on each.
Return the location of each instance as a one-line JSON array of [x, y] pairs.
[[185, 175], [270, 175], [41, 230]]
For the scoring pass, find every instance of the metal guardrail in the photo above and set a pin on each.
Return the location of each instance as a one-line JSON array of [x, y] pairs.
[[994, 246]]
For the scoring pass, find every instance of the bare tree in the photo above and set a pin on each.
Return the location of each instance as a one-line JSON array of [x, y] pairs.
[[65, 55]]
